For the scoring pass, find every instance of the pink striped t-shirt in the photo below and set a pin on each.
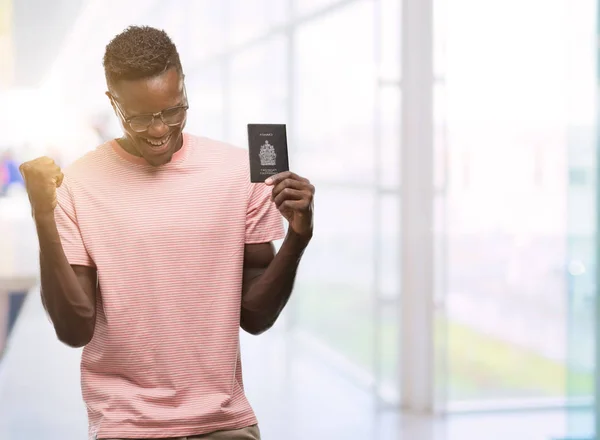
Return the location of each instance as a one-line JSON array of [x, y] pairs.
[[168, 245]]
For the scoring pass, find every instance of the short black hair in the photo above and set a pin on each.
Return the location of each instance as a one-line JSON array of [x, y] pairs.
[[139, 52]]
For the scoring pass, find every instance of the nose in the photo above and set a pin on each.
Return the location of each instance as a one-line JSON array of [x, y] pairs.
[[158, 128]]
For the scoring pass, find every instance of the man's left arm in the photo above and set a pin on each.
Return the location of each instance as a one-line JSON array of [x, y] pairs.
[[268, 276]]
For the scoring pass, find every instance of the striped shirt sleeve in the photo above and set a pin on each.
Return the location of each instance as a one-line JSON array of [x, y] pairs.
[[264, 222], [68, 229]]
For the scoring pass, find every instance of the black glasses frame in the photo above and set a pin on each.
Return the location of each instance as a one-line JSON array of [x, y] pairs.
[[127, 120]]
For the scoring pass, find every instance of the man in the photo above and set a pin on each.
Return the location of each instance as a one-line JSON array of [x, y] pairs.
[[155, 248]]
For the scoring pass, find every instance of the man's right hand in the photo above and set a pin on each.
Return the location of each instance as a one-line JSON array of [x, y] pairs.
[[42, 176]]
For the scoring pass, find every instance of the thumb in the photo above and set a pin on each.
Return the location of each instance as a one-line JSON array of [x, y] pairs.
[[22, 171], [58, 180]]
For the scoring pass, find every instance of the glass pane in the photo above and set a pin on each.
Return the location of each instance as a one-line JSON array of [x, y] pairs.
[[206, 29], [505, 257], [387, 337], [389, 134], [440, 136], [506, 202], [334, 288], [172, 20], [205, 94], [251, 18], [440, 20], [258, 89], [334, 95], [389, 28], [303, 7], [582, 259], [388, 355], [580, 263], [388, 268]]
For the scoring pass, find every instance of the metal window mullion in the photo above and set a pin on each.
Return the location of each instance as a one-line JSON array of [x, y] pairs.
[[376, 308], [417, 388]]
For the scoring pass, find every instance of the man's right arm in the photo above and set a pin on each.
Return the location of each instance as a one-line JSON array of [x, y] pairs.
[[68, 292]]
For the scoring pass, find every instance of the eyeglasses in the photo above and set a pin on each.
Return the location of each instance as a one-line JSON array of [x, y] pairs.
[[171, 117]]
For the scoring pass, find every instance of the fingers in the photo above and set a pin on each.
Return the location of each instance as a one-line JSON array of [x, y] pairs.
[[24, 169], [42, 169], [289, 180], [287, 184], [292, 192], [295, 205], [277, 178], [288, 194]]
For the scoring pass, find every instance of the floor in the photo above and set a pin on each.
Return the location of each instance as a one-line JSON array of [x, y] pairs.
[[300, 399]]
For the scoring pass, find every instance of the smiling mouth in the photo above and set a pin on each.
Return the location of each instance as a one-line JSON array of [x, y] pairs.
[[157, 143]]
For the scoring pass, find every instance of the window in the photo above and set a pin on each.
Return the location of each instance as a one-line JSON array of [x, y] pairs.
[[205, 89], [510, 234], [334, 292], [252, 18], [258, 91], [334, 87]]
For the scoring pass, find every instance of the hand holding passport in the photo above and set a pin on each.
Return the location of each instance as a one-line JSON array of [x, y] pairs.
[[292, 194]]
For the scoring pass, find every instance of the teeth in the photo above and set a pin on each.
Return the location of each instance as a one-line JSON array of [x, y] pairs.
[[158, 144]]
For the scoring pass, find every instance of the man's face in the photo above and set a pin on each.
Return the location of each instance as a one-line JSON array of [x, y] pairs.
[[157, 142]]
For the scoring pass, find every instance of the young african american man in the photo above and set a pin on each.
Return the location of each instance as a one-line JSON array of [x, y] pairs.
[[155, 248]]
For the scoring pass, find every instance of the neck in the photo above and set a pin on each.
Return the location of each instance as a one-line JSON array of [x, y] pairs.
[[125, 144]]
